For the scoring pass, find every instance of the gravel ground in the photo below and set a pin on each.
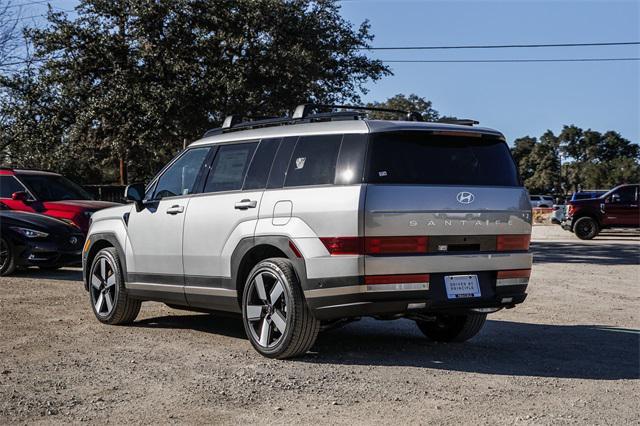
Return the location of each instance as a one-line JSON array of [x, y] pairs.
[[569, 354]]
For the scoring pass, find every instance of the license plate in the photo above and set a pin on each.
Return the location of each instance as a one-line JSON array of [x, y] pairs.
[[461, 286]]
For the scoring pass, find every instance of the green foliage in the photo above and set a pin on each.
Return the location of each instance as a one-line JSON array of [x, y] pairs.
[[133, 79], [521, 151], [413, 103], [592, 160]]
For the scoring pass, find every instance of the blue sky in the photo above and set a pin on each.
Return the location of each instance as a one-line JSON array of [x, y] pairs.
[[519, 99]]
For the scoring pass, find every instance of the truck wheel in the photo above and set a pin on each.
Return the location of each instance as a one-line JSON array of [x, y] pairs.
[[109, 299], [276, 318], [452, 328], [7, 258], [586, 228]]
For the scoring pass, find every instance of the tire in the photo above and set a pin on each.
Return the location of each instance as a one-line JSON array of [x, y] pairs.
[[7, 258], [586, 228], [452, 328], [108, 296], [276, 318]]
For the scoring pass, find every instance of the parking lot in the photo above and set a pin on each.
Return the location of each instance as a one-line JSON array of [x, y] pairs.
[[569, 354]]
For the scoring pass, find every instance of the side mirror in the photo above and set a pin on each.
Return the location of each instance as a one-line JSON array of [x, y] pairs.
[[20, 196], [615, 198], [135, 193]]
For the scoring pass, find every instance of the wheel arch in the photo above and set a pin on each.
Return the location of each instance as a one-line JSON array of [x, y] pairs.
[[97, 243], [587, 213], [251, 251]]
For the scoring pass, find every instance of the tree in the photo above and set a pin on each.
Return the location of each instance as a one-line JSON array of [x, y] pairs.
[[521, 151], [8, 32], [134, 78], [413, 103], [593, 160], [545, 158]]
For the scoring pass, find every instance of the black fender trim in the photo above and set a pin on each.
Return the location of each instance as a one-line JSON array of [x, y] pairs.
[[280, 242], [95, 238]]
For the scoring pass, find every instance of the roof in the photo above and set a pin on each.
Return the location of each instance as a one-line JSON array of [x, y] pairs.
[[339, 127]]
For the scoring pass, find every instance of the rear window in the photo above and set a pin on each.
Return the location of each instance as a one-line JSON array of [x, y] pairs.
[[424, 158]]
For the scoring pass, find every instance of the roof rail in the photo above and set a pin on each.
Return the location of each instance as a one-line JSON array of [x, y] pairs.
[[302, 114], [460, 121], [303, 110]]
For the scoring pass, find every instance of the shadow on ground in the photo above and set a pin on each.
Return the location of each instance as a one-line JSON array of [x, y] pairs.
[[57, 274], [502, 347], [223, 325], [595, 253]]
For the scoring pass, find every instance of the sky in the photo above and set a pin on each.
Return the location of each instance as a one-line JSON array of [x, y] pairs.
[[519, 99]]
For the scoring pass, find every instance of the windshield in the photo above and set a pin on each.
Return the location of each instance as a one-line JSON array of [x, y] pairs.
[[54, 188], [425, 158]]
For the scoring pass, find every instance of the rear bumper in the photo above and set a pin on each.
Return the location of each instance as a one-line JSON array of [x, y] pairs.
[[350, 297]]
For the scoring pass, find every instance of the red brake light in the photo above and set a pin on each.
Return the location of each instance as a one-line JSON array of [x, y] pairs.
[[512, 242], [342, 245], [396, 279], [376, 245], [396, 245], [514, 273]]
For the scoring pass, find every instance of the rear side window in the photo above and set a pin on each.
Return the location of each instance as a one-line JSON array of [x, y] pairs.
[[261, 164], [9, 185], [229, 167], [314, 161], [424, 158], [279, 169]]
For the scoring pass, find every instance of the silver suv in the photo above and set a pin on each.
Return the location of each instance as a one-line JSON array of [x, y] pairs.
[[304, 222]]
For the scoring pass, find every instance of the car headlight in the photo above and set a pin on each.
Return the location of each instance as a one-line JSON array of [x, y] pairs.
[[29, 233]]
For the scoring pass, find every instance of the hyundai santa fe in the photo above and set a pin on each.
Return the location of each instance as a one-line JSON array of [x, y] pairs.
[[303, 222]]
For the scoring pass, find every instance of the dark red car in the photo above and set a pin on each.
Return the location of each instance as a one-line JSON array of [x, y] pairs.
[[618, 208], [48, 193]]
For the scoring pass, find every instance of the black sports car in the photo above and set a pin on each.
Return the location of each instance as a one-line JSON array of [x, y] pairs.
[[30, 239]]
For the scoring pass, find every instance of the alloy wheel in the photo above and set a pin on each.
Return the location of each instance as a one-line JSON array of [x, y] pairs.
[[266, 309], [103, 286]]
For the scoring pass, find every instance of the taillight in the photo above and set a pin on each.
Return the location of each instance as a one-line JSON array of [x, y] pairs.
[[396, 245], [342, 245], [376, 245], [396, 279], [512, 242], [514, 273], [570, 210]]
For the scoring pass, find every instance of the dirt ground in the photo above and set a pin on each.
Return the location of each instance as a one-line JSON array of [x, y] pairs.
[[568, 355]]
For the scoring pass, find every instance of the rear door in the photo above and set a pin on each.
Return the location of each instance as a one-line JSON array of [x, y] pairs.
[[223, 214], [440, 194], [621, 207]]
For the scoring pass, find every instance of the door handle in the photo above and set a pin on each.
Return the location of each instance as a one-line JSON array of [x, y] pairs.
[[175, 209], [246, 204]]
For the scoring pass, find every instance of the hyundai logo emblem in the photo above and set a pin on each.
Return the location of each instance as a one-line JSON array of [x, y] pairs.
[[73, 240], [465, 197]]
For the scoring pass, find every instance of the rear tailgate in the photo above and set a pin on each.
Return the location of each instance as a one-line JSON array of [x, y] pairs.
[[443, 203]]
